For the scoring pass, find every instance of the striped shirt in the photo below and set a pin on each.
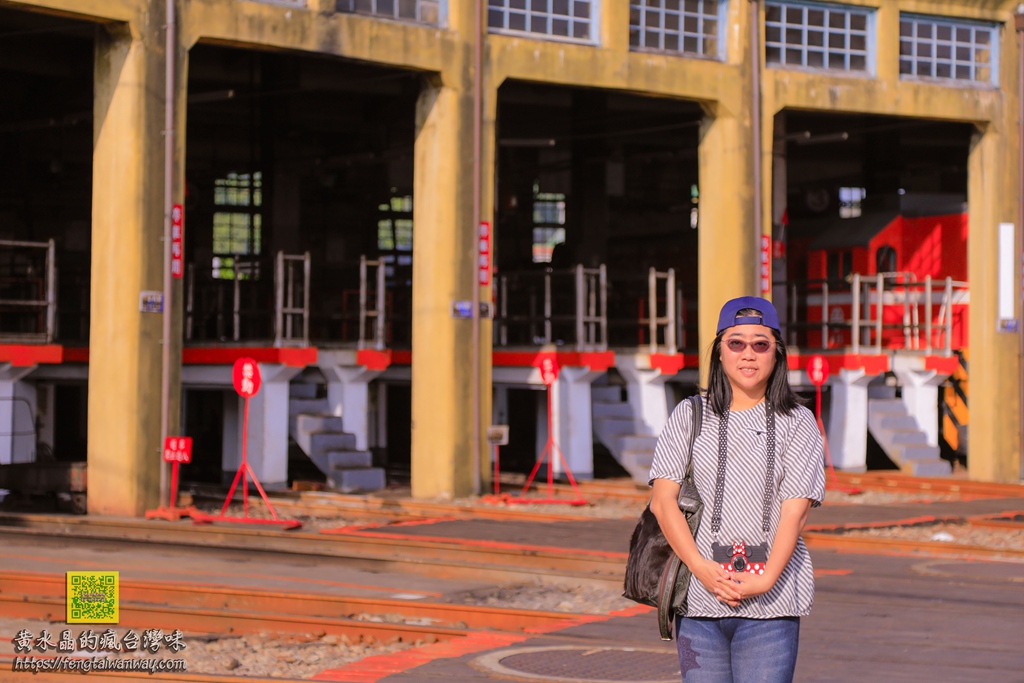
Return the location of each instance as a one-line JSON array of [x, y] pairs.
[[799, 473]]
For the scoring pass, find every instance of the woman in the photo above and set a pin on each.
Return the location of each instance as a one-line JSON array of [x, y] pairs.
[[762, 452]]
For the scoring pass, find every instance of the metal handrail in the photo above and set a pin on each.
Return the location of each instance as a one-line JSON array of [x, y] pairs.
[[589, 316], [50, 282], [286, 307], [668, 321], [378, 312], [869, 295]]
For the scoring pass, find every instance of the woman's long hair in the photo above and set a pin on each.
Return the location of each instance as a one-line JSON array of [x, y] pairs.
[[778, 391]]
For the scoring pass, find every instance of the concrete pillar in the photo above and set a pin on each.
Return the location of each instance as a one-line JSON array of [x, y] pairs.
[[848, 419], [571, 420], [231, 436], [726, 239], [645, 392], [348, 394], [444, 241], [920, 392], [267, 442], [127, 257], [17, 408], [995, 371]]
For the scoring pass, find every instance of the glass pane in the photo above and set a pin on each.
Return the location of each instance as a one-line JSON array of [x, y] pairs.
[[690, 24], [816, 38], [858, 63], [773, 13], [906, 67], [772, 34], [538, 23], [773, 55], [906, 28], [944, 70], [944, 51], [794, 15], [517, 22], [582, 10], [581, 30], [983, 74], [836, 61], [858, 43], [539, 5], [837, 40], [690, 45], [924, 30], [963, 35], [495, 18], [816, 59], [982, 36], [560, 27], [710, 27], [924, 50], [794, 36], [793, 57], [906, 47], [837, 19], [672, 22], [944, 32], [815, 17], [635, 38], [652, 20], [859, 22], [963, 72], [671, 42]]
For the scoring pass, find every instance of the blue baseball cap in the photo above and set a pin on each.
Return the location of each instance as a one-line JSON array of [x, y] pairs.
[[769, 318]]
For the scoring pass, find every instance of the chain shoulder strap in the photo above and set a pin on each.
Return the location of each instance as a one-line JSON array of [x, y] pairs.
[[723, 447]]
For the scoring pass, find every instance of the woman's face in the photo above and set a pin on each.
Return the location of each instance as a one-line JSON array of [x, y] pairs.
[[748, 358]]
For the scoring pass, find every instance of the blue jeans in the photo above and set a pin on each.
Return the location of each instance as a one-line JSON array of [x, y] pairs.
[[737, 650]]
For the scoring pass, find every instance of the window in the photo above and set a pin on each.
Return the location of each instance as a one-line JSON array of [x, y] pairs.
[[811, 36], [549, 222], [564, 19], [850, 201], [948, 49], [394, 232], [692, 27], [421, 11], [237, 225]]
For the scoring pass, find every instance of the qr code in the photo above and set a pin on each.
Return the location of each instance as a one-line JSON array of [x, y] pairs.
[[92, 597]]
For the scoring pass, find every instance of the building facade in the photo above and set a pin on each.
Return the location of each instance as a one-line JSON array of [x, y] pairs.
[[557, 105]]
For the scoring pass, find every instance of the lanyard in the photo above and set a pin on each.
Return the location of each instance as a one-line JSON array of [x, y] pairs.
[[723, 443]]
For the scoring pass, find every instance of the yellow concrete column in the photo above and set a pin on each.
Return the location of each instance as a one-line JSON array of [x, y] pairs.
[[614, 26], [726, 239], [127, 257], [444, 246], [995, 373], [488, 171]]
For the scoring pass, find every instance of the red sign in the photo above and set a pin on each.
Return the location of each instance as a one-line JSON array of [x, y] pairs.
[[817, 370], [484, 254], [766, 264], [778, 249], [178, 449], [548, 369], [177, 234], [245, 375]]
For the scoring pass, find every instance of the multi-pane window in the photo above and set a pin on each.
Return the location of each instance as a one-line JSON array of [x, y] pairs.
[[564, 19], [237, 224], [812, 36], [394, 233], [693, 27], [422, 11], [549, 223], [948, 49]]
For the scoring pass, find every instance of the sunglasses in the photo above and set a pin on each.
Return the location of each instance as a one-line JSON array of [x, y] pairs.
[[739, 345]]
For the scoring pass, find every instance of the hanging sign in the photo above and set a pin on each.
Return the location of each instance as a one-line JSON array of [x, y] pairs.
[[548, 369], [484, 254], [177, 230], [817, 370], [766, 264]]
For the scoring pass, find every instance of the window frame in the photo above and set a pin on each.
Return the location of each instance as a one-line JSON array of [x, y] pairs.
[[995, 49], [594, 34], [720, 35], [870, 34]]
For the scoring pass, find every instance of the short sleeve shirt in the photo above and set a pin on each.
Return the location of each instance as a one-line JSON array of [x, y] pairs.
[[799, 473]]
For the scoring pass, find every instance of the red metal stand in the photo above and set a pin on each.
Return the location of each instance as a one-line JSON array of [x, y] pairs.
[[547, 455], [246, 378], [171, 512]]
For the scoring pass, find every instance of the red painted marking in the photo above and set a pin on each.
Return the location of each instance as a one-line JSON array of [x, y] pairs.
[[227, 355], [377, 525], [872, 364], [497, 545], [27, 355], [372, 359], [76, 355], [373, 669], [597, 361], [941, 364], [668, 364], [832, 572]]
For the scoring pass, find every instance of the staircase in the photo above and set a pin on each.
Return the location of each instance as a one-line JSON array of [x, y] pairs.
[[320, 435], [623, 434], [897, 432]]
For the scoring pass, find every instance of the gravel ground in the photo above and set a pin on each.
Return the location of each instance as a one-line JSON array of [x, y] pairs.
[[963, 534], [874, 497], [547, 598]]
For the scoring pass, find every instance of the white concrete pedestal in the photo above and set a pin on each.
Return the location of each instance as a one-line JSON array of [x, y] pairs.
[[348, 395], [920, 392], [17, 411], [848, 419]]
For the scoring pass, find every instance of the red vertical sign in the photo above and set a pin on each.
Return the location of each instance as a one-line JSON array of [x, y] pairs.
[[766, 264], [484, 254], [177, 228]]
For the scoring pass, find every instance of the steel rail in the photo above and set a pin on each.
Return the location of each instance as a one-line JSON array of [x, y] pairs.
[[195, 620], [439, 557], [7, 661], [31, 586], [874, 546]]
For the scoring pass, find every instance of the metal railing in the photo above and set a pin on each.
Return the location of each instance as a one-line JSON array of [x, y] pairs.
[[291, 299], [378, 312], [28, 293], [553, 307], [661, 286], [879, 312]]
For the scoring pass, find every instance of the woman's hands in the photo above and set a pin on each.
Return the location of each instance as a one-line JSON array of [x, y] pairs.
[[717, 581]]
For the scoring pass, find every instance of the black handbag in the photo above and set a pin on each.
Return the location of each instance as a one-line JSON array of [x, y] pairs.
[[655, 575]]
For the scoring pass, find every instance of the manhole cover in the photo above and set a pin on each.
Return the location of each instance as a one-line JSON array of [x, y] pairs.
[[585, 664]]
